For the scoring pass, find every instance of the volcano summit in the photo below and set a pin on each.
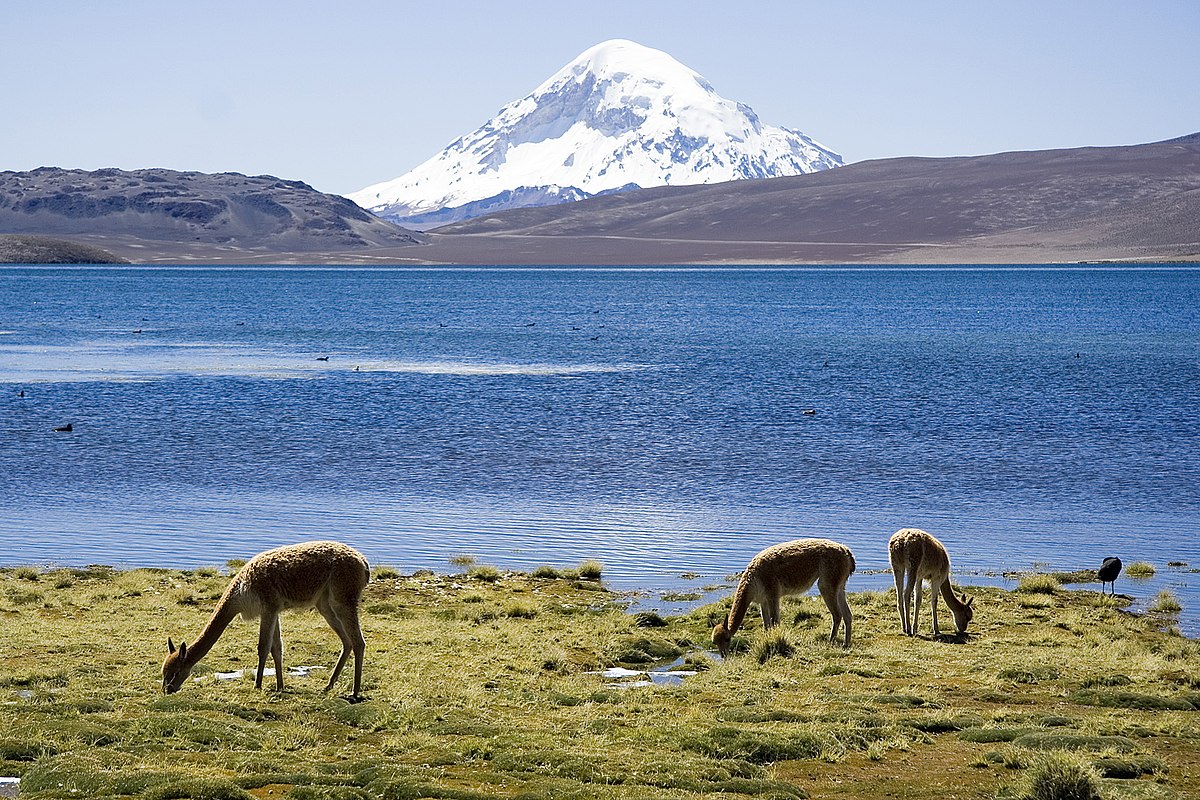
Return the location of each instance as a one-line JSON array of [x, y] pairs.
[[620, 116]]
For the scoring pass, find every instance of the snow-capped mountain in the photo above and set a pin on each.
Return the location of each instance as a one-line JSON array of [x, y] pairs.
[[620, 116]]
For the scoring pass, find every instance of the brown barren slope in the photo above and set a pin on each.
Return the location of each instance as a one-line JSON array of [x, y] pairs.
[[1140, 202]]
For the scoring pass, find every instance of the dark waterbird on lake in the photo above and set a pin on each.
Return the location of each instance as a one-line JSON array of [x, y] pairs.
[[64, 428], [1108, 572]]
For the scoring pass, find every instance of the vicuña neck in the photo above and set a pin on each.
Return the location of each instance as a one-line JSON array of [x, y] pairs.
[[224, 613], [950, 597], [741, 604]]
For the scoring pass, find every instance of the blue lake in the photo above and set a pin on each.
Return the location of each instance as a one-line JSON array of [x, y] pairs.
[[654, 420]]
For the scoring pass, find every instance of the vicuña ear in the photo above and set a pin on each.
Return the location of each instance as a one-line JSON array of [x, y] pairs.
[[170, 645], [183, 649], [970, 602]]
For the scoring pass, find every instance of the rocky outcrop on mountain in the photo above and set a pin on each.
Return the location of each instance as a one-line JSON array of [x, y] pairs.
[[15, 249], [159, 205]]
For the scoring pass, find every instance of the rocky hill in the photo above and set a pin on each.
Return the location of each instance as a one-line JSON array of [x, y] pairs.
[[15, 249], [132, 212]]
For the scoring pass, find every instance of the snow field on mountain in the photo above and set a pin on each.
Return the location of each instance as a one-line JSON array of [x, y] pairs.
[[620, 115]]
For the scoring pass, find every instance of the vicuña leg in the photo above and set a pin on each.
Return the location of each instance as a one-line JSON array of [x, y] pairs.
[[770, 611], [270, 641], [839, 608], [912, 602], [343, 618], [933, 603], [920, 592], [902, 596]]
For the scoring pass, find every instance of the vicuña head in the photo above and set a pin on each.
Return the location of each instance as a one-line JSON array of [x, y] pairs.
[[328, 576], [176, 667], [791, 568], [722, 637]]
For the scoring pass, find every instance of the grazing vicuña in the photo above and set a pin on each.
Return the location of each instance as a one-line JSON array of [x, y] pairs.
[[328, 576], [791, 568], [917, 556]]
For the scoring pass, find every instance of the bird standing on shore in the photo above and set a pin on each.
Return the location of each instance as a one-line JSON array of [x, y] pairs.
[[1108, 572]]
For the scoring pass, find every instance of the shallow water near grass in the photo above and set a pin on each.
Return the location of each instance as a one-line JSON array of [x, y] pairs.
[[654, 420]]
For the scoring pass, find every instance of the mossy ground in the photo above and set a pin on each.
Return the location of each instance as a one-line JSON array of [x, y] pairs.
[[487, 687]]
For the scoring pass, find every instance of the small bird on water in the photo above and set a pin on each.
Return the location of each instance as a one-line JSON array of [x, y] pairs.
[[1108, 572], [64, 428]]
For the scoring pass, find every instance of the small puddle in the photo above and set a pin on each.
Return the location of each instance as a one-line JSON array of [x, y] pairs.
[[269, 672], [663, 675]]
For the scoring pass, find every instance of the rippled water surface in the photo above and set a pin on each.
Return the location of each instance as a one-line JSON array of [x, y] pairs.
[[661, 421]]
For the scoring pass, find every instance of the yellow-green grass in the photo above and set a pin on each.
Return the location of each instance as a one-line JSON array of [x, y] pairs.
[[1140, 569], [489, 687]]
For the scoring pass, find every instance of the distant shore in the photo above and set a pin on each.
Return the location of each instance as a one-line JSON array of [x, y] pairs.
[[501, 251]]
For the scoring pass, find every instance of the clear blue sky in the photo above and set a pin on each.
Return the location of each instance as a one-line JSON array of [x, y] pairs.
[[344, 94]]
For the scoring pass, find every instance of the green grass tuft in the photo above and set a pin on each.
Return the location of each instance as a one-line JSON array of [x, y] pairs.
[[1041, 583], [773, 645], [590, 570], [1073, 741], [199, 789], [1166, 603], [649, 619], [1030, 674], [520, 610], [1134, 700], [993, 735], [1062, 776], [757, 747], [484, 572]]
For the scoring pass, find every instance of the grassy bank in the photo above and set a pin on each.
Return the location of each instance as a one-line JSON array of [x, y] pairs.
[[485, 684]]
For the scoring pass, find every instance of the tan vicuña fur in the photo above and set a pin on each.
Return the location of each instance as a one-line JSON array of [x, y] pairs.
[[328, 576], [791, 568], [917, 556]]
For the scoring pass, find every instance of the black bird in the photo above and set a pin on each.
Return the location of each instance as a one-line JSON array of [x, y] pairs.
[[322, 358], [64, 428], [1108, 572]]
